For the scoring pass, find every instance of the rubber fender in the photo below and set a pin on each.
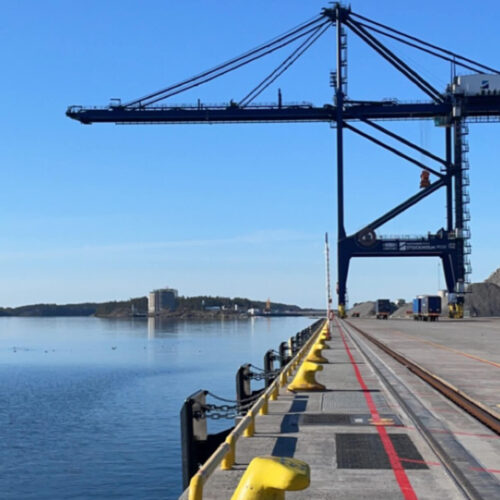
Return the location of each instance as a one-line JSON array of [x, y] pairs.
[[305, 378], [267, 478], [315, 355]]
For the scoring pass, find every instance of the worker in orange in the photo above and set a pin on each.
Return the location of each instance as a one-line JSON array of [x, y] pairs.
[[424, 179]]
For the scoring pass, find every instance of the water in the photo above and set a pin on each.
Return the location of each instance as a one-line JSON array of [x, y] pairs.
[[89, 408]]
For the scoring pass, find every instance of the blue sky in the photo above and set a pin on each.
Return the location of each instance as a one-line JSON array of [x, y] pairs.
[[102, 212]]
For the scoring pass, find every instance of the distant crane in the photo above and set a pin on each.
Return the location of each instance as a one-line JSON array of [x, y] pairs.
[[329, 312], [267, 309], [470, 98]]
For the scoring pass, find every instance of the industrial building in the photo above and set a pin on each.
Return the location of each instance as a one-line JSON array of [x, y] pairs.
[[163, 299]]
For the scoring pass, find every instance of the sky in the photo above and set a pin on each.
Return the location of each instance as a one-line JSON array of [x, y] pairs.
[[105, 212]]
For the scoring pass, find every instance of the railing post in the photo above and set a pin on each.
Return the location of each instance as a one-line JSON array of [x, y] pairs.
[[196, 488], [230, 457], [250, 429], [265, 407], [275, 392]]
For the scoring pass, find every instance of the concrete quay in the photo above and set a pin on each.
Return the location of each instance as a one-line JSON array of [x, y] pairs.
[[378, 431], [465, 353]]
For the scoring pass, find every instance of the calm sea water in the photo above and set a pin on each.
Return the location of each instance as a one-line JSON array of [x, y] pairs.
[[89, 408]]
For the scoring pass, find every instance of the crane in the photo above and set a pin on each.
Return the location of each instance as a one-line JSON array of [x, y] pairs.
[[451, 110]]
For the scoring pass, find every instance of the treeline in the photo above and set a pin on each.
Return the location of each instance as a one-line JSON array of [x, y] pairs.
[[85, 309], [138, 305], [125, 308], [201, 302]]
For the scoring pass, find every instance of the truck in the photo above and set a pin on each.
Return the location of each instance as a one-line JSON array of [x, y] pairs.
[[476, 84], [427, 307], [383, 308], [431, 307]]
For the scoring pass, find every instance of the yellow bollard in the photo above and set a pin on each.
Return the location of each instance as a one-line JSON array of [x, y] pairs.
[[304, 380], [267, 478], [322, 343], [249, 431], [196, 488], [315, 355], [325, 335], [283, 379], [325, 332], [229, 458]]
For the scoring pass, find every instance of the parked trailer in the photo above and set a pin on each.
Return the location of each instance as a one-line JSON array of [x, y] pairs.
[[383, 308], [431, 307], [417, 308], [427, 307]]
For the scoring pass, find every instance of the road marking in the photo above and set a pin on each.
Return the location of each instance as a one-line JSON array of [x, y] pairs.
[[479, 469], [446, 348], [458, 433]]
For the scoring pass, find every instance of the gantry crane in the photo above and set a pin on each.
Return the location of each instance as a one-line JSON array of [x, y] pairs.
[[451, 109]]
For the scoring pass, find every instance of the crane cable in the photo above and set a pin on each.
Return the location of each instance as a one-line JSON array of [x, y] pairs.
[[428, 51], [285, 64], [426, 44], [228, 70], [246, 57]]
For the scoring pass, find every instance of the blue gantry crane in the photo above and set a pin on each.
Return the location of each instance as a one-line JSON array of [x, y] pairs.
[[469, 98]]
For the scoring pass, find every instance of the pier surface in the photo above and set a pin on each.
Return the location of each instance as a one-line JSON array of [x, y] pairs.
[[379, 431]]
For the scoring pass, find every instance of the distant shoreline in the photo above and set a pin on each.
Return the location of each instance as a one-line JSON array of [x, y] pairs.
[[188, 308]]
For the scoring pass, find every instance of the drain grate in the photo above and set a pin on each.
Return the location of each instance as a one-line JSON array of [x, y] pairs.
[[366, 451], [352, 401], [343, 419], [325, 419]]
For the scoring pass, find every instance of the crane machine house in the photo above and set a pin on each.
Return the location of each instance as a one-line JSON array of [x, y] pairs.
[[477, 84]]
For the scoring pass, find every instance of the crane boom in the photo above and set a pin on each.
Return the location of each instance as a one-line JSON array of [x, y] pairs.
[[481, 106]]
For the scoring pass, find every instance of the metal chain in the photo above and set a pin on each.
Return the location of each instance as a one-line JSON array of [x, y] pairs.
[[231, 411], [251, 398], [223, 411], [216, 412], [218, 416], [264, 376], [257, 368]]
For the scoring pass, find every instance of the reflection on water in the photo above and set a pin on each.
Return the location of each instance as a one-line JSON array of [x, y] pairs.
[[89, 408]]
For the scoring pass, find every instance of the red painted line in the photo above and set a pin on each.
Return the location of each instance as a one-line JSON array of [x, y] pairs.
[[399, 472], [480, 469]]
